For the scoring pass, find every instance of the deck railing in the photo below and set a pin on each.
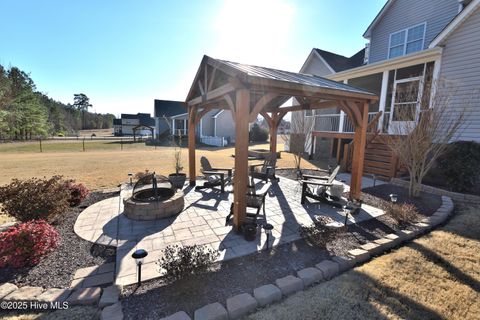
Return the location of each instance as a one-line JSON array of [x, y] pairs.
[[333, 122]]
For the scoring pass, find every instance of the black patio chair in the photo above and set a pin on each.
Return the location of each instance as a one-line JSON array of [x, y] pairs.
[[255, 199], [215, 177], [316, 187], [265, 170]]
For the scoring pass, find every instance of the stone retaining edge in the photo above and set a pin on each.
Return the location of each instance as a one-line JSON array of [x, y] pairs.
[[453, 195], [329, 268]]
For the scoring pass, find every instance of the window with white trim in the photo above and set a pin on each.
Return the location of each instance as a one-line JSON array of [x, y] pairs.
[[406, 41]]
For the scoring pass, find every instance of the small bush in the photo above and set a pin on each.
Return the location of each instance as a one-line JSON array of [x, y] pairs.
[[24, 244], [35, 198], [318, 234], [258, 134], [78, 192], [179, 261], [459, 165], [403, 214]]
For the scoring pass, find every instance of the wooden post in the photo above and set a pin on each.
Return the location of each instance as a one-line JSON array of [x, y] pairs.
[[273, 135], [360, 141], [242, 106], [191, 146]]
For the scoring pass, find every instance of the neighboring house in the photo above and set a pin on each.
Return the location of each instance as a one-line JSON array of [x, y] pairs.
[[170, 115], [215, 128], [410, 43], [140, 124]]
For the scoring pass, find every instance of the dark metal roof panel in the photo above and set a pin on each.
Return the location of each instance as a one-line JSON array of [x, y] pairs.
[[292, 77]]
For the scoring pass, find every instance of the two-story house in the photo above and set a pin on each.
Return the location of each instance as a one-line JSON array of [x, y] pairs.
[[216, 127], [140, 124], [410, 43]]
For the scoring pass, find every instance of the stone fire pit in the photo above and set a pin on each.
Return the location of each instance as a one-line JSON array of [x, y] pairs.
[[151, 202]]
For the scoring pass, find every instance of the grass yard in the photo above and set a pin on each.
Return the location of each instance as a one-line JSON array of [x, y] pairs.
[[103, 164], [434, 277]]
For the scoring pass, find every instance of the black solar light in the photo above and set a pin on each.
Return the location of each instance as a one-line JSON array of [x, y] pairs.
[[268, 231], [348, 209], [394, 198], [130, 175], [138, 255]]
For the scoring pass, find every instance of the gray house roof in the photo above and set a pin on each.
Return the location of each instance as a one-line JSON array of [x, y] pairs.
[[292, 77], [342, 63], [169, 108]]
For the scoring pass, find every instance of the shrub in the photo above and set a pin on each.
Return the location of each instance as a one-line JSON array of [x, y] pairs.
[[24, 244], [319, 234], [35, 198], [78, 192], [403, 214], [459, 165], [179, 261], [258, 134]]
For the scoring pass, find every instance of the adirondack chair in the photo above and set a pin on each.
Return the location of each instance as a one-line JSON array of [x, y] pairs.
[[316, 187], [216, 177], [265, 170], [255, 200]]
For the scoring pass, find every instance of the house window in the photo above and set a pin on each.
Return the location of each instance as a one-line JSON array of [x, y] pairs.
[[407, 41], [309, 113]]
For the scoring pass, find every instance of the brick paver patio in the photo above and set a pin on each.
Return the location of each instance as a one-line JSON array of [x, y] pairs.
[[201, 222]]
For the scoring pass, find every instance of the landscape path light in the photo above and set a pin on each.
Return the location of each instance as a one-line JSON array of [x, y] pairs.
[[348, 209], [130, 175], [394, 197], [268, 231], [139, 255]]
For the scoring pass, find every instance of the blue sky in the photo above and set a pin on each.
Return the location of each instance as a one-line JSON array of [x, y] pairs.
[[124, 54]]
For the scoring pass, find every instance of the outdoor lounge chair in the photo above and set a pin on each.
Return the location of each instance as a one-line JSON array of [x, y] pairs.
[[265, 170], [317, 188], [215, 176], [255, 200]]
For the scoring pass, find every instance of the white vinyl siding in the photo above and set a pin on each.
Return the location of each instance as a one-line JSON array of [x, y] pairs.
[[404, 14], [407, 41]]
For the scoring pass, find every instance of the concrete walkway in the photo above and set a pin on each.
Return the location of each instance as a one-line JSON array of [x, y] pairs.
[[202, 222]]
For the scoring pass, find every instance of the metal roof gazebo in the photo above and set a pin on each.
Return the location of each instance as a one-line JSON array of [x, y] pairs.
[[251, 90]]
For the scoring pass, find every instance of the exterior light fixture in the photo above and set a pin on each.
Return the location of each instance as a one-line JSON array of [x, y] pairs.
[[130, 175], [268, 231], [348, 209], [394, 197], [139, 255]]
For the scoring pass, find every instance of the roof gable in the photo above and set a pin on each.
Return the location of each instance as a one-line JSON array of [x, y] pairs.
[[455, 23], [377, 18], [169, 108], [341, 63]]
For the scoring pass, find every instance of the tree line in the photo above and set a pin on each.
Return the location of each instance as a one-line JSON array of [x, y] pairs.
[[26, 113]]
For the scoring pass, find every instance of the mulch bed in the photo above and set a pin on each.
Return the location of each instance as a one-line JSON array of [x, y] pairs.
[[159, 298], [56, 270]]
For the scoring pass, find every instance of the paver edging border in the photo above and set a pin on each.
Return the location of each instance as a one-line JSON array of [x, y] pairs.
[[67, 294], [346, 263]]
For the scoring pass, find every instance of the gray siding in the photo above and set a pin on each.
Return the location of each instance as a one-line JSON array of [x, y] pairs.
[[226, 125], [461, 64], [406, 13], [317, 67], [207, 123]]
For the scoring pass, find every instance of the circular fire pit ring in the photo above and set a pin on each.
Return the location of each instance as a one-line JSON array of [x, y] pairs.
[[150, 202]]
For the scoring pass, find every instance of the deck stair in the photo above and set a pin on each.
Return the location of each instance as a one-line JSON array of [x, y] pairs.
[[379, 158]]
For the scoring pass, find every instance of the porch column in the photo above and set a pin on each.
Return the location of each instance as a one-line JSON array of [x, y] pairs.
[[359, 143], [383, 99], [242, 107], [191, 146]]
